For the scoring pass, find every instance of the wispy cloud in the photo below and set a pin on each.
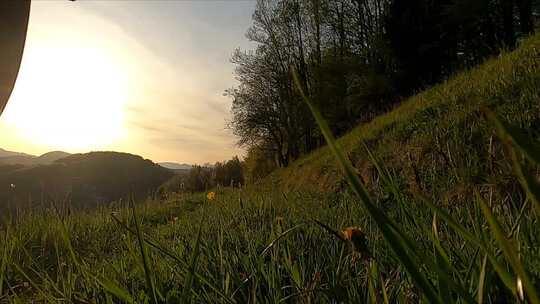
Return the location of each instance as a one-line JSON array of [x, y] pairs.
[[176, 55]]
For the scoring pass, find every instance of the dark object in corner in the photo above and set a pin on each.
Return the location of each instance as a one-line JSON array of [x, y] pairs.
[[13, 25]]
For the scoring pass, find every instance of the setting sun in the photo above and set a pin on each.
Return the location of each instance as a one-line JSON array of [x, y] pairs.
[[69, 95]]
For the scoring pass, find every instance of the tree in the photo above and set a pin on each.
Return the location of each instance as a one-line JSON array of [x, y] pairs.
[[229, 173], [258, 164], [355, 59]]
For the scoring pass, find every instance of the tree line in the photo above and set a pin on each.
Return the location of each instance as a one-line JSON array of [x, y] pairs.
[[205, 177], [355, 59]]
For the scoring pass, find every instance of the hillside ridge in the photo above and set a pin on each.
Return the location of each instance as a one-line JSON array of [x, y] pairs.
[[508, 84], [88, 179]]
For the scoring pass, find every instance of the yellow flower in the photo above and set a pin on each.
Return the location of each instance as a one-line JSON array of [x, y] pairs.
[[211, 196], [357, 239]]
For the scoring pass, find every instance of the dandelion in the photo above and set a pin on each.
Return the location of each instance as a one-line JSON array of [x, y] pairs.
[[211, 196], [357, 239]]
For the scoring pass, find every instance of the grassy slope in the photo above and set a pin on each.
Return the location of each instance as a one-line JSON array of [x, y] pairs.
[[441, 122], [261, 242]]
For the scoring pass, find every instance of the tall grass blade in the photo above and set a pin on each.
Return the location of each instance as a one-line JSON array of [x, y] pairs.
[[168, 253], [481, 281], [3, 263], [394, 237], [528, 182], [40, 291], [188, 283], [67, 242], [501, 271], [442, 260], [142, 248], [509, 252], [383, 287], [511, 137], [330, 230], [106, 284], [115, 290], [283, 234], [372, 278]]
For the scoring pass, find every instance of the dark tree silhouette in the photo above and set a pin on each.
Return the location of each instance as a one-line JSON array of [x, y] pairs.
[[356, 59]]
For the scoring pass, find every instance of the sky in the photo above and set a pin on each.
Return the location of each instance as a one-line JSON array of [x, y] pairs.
[[144, 77]]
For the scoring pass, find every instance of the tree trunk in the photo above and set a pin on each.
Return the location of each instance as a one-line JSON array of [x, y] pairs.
[[507, 7], [525, 16]]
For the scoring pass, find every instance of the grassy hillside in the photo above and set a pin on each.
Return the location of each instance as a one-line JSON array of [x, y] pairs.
[[439, 134], [281, 240]]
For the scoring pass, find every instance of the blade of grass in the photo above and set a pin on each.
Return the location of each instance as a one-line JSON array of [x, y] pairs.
[[283, 234], [268, 247], [330, 230], [528, 182], [509, 252], [442, 260], [3, 264], [393, 237], [371, 274], [501, 271], [383, 287], [192, 267], [173, 256], [67, 242], [142, 248], [43, 277], [34, 284], [511, 137], [114, 289], [481, 281]]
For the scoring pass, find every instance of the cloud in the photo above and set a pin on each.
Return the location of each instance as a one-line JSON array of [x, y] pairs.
[[176, 58]]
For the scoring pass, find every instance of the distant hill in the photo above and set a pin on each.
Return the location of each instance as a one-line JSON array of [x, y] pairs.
[[175, 166], [51, 157], [6, 153], [80, 180], [16, 158]]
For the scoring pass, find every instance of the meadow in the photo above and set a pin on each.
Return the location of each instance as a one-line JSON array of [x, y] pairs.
[[440, 198]]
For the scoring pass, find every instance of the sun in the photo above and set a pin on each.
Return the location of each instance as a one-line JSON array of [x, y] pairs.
[[69, 96]]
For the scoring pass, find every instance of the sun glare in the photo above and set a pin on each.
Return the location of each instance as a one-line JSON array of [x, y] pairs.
[[70, 97]]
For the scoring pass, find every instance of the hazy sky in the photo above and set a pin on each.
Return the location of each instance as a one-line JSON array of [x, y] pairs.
[[145, 77]]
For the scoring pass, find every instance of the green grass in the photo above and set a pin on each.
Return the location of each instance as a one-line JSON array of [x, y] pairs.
[[445, 193], [436, 131]]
